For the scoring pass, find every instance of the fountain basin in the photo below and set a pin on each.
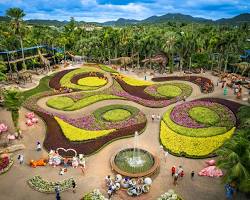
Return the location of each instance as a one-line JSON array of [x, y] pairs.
[[141, 164]]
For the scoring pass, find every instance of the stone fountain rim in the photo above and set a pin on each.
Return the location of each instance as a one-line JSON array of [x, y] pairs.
[[149, 172]]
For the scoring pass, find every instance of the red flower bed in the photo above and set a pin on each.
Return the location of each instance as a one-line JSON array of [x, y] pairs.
[[55, 80], [138, 91], [205, 84], [55, 138], [4, 162]]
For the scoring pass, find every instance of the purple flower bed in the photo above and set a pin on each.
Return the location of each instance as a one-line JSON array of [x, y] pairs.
[[180, 114]]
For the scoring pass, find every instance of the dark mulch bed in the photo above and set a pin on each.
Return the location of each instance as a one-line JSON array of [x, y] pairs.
[[198, 80], [233, 106], [75, 79], [138, 91], [55, 80], [55, 138]]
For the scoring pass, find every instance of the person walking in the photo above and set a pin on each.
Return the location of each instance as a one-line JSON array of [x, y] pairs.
[[20, 158], [173, 170], [38, 146], [153, 117], [57, 190], [192, 175], [166, 155], [175, 178], [74, 186]]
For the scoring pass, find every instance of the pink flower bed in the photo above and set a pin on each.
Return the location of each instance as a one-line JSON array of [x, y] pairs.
[[3, 128], [180, 114]]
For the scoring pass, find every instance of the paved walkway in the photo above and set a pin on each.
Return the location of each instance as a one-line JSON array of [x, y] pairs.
[[13, 183]]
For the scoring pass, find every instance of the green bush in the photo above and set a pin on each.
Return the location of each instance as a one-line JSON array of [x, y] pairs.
[[116, 115], [60, 103], [204, 115], [169, 91], [101, 111]]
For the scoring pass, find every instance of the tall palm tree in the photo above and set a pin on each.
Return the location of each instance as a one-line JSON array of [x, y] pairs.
[[13, 101], [16, 15]]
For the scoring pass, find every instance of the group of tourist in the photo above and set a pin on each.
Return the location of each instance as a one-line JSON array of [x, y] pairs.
[[178, 173]]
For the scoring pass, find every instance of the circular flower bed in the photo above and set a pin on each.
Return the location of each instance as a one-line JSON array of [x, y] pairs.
[[196, 128], [92, 81], [41, 185], [169, 91], [116, 115]]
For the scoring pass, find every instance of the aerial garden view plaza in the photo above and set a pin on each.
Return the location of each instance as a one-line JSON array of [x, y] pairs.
[[114, 100]]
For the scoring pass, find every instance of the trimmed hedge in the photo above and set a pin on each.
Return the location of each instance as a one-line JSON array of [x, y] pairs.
[[60, 102], [169, 91], [116, 115]]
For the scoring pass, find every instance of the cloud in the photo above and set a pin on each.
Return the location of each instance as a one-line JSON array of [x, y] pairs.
[[105, 10]]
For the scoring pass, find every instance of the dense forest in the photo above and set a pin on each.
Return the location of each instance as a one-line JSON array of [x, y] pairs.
[[195, 44]]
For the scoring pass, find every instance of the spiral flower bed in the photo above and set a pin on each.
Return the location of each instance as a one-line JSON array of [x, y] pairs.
[[196, 128]]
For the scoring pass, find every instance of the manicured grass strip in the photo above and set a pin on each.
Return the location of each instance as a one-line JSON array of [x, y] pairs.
[[90, 100], [116, 115], [191, 146], [76, 134], [92, 81], [204, 115], [108, 69], [60, 103], [135, 82], [169, 91], [192, 132], [42, 87], [66, 79]]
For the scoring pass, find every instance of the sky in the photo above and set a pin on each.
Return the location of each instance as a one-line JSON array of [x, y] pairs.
[[107, 10]]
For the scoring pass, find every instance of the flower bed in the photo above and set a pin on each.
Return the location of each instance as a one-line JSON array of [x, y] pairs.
[[73, 133], [107, 69], [134, 82], [70, 105], [184, 90], [205, 84], [94, 195], [41, 185], [65, 81], [169, 195], [181, 114], [116, 115], [5, 164], [194, 147], [204, 115], [92, 81]]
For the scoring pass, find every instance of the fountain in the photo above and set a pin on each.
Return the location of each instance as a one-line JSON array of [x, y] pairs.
[[134, 162]]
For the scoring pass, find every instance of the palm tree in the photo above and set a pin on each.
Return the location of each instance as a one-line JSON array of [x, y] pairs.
[[16, 15], [13, 101], [234, 158]]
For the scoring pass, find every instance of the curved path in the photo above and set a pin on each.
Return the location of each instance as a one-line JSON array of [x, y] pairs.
[[98, 166]]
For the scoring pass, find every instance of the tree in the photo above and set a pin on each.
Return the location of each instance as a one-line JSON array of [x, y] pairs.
[[16, 15], [3, 68], [12, 102]]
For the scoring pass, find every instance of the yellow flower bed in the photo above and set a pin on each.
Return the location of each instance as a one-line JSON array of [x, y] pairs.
[[135, 82], [92, 81], [73, 133], [191, 146]]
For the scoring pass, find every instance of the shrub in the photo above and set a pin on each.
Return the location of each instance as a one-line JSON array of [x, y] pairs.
[[116, 115], [169, 91], [73, 133], [191, 146], [60, 103]]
